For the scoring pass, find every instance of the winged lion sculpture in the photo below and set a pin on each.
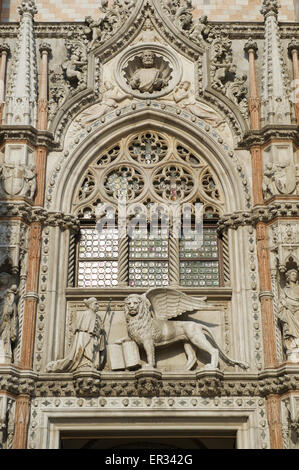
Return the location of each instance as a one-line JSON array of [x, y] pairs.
[[148, 324]]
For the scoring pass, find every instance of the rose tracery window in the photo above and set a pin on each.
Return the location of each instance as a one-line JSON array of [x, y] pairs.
[[148, 148], [152, 168]]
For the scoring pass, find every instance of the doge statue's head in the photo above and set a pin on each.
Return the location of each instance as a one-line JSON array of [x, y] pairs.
[[133, 305]]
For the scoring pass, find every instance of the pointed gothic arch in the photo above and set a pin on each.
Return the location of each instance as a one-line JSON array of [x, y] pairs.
[[218, 155]]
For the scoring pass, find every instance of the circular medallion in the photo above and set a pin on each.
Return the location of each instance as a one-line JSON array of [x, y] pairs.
[[148, 71]]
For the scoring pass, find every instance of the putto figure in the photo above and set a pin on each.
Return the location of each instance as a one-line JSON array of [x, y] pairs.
[[88, 342], [148, 324]]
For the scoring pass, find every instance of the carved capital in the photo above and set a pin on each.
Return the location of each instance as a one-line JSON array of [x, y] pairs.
[[27, 6], [251, 45], [269, 8], [4, 48], [293, 45], [45, 47]]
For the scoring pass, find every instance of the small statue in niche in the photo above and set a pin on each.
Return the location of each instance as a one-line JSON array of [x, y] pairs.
[[8, 323], [148, 322], [148, 78], [289, 315], [182, 93], [89, 342], [111, 97]]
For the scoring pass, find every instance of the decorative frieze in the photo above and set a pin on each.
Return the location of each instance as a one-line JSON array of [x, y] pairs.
[[129, 406]]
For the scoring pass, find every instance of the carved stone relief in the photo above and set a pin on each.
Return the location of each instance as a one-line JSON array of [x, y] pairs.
[[288, 315], [284, 246], [112, 16], [150, 330], [290, 421], [125, 345], [112, 97], [75, 67], [184, 96], [281, 171], [13, 244], [8, 324], [148, 71], [17, 180], [7, 421], [88, 345], [224, 73]]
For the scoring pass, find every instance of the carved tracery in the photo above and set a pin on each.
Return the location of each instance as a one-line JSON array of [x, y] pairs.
[[148, 168]]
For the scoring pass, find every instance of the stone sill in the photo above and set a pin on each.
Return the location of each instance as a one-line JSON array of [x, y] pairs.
[[120, 293]]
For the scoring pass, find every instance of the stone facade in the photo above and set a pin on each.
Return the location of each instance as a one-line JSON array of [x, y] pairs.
[[110, 114]]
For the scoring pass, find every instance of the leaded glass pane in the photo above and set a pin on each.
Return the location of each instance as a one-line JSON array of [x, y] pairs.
[[92, 274], [94, 244], [209, 248], [200, 267], [199, 273], [149, 248], [148, 274]]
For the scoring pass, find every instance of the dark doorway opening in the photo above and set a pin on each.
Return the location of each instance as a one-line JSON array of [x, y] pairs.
[[144, 440]]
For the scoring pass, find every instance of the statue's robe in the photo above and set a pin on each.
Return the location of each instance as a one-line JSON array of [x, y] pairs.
[[146, 79], [87, 344], [289, 313]]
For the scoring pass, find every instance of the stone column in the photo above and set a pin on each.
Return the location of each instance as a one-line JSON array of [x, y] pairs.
[[4, 52], [123, 263], [266, 295], [257, 174], [21, 421], [174, 261], [42, 116], [274, 420], [254, 100], [294, 50], [31, 297]]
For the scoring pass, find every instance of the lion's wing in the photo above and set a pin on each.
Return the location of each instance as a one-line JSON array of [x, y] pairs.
[[170, 303]]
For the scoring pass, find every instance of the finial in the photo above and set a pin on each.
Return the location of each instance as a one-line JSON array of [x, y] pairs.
[[270, 7], [27, 6]]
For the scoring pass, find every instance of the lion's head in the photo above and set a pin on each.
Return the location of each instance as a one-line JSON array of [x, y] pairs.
[[133, 305]]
